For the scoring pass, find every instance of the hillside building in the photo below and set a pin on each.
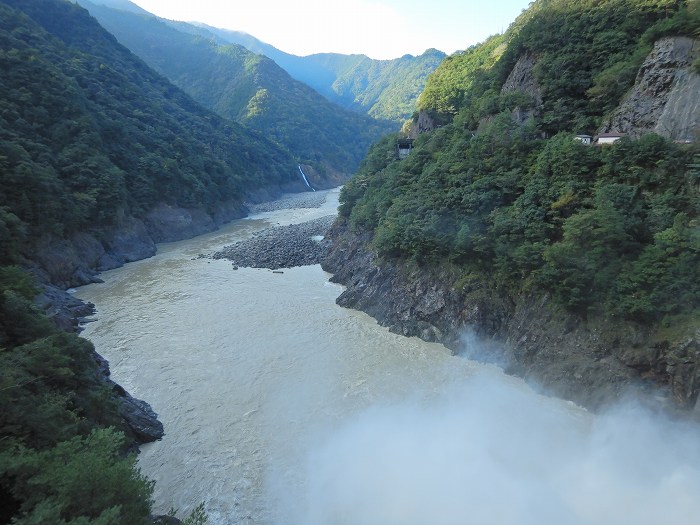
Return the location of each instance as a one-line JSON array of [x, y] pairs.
[[608, 138], [403, 147]]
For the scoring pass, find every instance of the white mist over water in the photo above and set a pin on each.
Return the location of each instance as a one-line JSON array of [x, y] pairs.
[[488, 452], [281, 408]]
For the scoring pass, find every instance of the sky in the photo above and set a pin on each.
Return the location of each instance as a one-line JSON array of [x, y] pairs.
[[380, 29]]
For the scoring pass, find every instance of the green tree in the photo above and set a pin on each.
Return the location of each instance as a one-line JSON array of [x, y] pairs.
[[665, 278], [83, 480]]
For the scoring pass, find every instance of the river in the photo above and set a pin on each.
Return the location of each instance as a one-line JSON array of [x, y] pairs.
[[282, 408]]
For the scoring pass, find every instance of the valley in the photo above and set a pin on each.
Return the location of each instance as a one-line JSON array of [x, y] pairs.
[[332, 289]]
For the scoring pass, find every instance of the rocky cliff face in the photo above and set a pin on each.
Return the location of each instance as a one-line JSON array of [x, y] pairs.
[[420, 123], [77, 260], [522, 79], [664, 99], [592, 362]]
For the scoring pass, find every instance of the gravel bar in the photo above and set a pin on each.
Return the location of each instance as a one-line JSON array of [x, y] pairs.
[[290, 201], [281, 246]]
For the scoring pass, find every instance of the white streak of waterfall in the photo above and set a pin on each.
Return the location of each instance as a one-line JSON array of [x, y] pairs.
[[305, 179]]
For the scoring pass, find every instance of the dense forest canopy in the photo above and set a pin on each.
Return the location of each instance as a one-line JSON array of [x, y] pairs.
[[613, 231], [88, 133]]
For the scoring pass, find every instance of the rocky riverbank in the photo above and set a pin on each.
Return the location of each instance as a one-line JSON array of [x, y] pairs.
[[60, 264], [593, 362]]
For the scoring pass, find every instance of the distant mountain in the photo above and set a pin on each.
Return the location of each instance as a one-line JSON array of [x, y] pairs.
[[123, 5], [250, 89], [384, 89]]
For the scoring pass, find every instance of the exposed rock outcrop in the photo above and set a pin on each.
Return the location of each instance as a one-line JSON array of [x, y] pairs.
[[522, 80], [75, 261], [142, 424], [424, 123], [130, 242], [664, 99], [169, 223], [63, 309], [592, 362]]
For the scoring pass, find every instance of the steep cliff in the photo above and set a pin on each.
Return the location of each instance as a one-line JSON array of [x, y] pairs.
[[421, 123], [593, 362], [664, 99], [522, 80]]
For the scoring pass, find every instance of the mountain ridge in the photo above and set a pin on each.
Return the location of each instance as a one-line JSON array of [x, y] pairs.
[[252, 90], [387, 88], [383, 89]]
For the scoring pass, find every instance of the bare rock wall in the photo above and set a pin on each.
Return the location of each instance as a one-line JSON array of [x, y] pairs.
[[665, 97]]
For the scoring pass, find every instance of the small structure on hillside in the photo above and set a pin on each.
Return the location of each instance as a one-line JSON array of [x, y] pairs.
[[404, 147], [584, 139], [608, 138]]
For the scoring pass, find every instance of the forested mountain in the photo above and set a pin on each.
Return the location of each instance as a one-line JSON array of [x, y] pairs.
[[251, 89], [384, 89], [88, 123], [503, 196]]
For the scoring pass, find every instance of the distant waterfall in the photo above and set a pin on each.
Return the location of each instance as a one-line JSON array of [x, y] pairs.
[[305, 179]]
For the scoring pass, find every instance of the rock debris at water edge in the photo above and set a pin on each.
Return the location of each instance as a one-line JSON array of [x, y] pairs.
[[281, 246], [290, 201]]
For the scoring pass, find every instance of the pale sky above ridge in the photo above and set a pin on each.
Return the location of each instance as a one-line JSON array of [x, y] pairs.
[[380, 29]]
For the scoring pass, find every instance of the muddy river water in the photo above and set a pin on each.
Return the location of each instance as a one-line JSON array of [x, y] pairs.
[[282, 408]]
